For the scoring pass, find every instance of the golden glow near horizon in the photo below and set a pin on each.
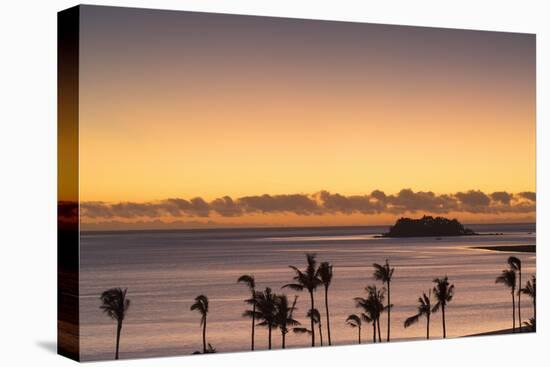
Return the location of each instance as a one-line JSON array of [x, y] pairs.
[[240, 113]]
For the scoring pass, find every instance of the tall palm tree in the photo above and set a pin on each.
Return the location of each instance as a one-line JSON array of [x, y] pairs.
[[384, 273], [355, 322], [115, 304], [325, 275], [201, 306], [508, 278], [249, 281], [444, 292], [283, 316], [266, 308], [309, 280], [531, 290], [424, 309], [373, 307], [316, 316], [515, 265]]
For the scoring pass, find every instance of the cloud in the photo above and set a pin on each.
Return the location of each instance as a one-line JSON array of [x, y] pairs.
[[529, 195], [320, 203], [409, 201], [336, 203], [502, 197], [295, 203], [474, 201]]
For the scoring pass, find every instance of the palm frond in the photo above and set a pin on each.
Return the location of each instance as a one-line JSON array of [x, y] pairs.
[[514, 263], [353, 321], [301, 330], [248, 280], [411, 320]]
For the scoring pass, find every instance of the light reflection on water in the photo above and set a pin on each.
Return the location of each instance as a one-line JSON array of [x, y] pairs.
[[164, 271]]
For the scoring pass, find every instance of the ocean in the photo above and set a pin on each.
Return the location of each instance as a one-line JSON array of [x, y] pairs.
[[165, 270]]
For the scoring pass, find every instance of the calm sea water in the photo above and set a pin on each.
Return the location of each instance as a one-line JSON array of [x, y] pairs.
[[165, 270]]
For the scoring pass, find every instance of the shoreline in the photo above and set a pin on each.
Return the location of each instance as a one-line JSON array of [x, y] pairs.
[[502, 332], [508, 248]]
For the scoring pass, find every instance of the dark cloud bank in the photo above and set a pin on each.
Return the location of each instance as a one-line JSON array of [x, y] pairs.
[[323, 202]]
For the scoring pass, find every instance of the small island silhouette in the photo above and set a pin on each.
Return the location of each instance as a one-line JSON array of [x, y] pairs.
[[428, 226]]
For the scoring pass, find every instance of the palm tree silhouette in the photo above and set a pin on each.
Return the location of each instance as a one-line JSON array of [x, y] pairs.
[[508, 278], [373, 307], [249, 281], [424, 309], [444, 293], [316, 316], [355, 322], [325, 275], [515, 264], [201, 305], [283, 316], [307, 279], [115, 304], [531, 325], [266, 308], [531, 290], [384, 273]]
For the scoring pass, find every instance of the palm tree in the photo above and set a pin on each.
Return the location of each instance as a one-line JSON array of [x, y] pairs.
[[531, 290], [307, 279], [325, 275], [424, 309], [373, 307], [283, 316], [515, 265], [444, 293], [508, 278], [531, 325], [384, 273], [316, 316], [266, 311], [201, 306], [115, 304], [249, 281], [355, 322]]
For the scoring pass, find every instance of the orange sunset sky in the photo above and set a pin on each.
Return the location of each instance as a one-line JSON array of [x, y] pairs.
[[176, 106]]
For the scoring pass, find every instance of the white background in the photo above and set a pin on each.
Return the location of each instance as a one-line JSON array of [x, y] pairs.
[[28, 181]]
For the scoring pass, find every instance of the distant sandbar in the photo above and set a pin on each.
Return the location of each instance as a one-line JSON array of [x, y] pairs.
[[510, 248]]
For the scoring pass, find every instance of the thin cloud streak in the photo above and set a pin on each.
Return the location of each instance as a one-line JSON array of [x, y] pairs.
[[320, 203]]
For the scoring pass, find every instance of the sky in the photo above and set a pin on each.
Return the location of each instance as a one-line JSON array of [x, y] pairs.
[[196, 119]]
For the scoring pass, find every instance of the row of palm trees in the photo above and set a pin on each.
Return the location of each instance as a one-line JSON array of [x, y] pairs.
[[275, 311], [373, 305], [509, 277]]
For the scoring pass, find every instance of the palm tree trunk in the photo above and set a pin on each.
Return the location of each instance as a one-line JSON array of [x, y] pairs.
[[428, 327], [328, 317], [253, 324], [312, 323], [513, 311], [269, 338], [204, 335], [379, 335], [118, 329], [283, 341], [374, 332], [389, 312], [443, 317], [359, 334], [320, 333], [519, 301]]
